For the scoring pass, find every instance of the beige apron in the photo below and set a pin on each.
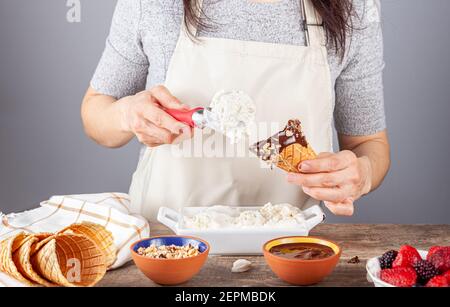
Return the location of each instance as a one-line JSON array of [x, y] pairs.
[[285, 82]]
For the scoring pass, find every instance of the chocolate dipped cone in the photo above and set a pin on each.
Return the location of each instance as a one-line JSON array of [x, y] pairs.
[[286, 149]]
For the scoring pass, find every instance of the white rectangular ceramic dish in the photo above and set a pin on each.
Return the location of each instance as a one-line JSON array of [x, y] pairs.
[[242, 241]]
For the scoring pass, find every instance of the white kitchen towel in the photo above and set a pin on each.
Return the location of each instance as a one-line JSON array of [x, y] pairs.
[[108, 209]]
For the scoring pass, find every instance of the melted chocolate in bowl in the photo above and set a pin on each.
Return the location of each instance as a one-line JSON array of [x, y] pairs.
[[302, 251]]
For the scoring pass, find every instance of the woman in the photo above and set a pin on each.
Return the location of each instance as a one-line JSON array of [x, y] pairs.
[[316, 60]]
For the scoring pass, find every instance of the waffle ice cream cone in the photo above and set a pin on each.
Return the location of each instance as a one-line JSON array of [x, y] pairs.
[[7, 249], [286, 149], [22, 259], [289, 158], [70, 260], [102, 237], [43, 238]]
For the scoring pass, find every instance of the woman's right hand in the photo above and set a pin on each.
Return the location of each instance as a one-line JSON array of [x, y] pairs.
[[143, 114]]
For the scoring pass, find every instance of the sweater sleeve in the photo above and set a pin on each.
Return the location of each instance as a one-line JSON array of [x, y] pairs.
[[123, 67], [359, 107]]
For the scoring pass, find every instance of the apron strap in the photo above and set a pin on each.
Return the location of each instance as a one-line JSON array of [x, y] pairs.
[[312, 25]]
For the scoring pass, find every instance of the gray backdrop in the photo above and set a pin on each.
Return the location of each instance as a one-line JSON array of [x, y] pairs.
[[46, 64]]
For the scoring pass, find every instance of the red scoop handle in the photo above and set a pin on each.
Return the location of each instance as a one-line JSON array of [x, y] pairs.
[[184, 116]]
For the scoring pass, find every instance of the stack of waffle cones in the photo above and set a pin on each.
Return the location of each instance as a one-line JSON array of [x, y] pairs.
[[77, 256]]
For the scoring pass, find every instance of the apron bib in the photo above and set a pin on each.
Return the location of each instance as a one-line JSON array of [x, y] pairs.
[[285, 82]]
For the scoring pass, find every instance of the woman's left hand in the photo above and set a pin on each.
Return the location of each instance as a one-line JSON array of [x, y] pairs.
[[337, 179]]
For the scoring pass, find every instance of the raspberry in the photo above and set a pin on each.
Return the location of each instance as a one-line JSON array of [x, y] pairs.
[[441, 260], [387, 259], [434, 249], [407, 256], [425, 270], [447, 275], [438, 281], [400, 277]]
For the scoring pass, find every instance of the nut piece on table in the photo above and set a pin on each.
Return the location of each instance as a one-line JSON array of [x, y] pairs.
[[241, 265]]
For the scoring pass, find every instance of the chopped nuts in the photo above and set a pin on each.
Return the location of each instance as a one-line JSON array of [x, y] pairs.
[[169, 252]]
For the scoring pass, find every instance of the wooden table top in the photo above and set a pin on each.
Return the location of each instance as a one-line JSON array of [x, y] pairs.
[[365, 241]]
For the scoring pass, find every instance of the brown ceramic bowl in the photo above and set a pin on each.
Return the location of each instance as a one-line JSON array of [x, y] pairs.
[[301, 272], [170, 271]]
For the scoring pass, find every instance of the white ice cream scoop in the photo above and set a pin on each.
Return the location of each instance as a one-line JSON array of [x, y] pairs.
[[231, 113]]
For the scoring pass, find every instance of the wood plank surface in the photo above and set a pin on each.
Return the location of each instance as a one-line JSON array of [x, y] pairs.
[[365, 241]]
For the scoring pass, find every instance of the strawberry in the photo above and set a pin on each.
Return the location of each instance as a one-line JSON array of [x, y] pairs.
[[399, 277], [407, 256], [447, 276], [434, 249], [441, 259], [438, 281]]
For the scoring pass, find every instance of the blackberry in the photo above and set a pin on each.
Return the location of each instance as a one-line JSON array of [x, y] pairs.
[[425, 270], [387, 259]]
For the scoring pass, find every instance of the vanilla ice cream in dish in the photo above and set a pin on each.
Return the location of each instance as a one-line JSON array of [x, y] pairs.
[[232, 113], [234, 230], [269, 216]]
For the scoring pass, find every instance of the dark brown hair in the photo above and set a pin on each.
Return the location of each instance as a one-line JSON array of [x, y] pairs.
[[336, 16]]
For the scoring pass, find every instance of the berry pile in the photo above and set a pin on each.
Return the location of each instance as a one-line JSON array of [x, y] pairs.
[[406, 268]]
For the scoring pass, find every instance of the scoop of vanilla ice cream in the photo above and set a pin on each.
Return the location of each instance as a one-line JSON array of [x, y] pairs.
[[208, 220], [233, 113], [250, 219], [282, 215]]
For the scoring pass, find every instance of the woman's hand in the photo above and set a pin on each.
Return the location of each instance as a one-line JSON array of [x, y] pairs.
[[337, 179], [143, 114]]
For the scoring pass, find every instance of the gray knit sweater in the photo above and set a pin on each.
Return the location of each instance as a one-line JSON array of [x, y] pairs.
[[144, 33]]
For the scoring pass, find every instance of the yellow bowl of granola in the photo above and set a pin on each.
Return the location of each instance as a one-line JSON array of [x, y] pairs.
[[170, 260]]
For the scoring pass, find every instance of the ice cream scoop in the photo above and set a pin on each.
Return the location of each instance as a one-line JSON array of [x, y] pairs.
[[231, 113], [197, 118]]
